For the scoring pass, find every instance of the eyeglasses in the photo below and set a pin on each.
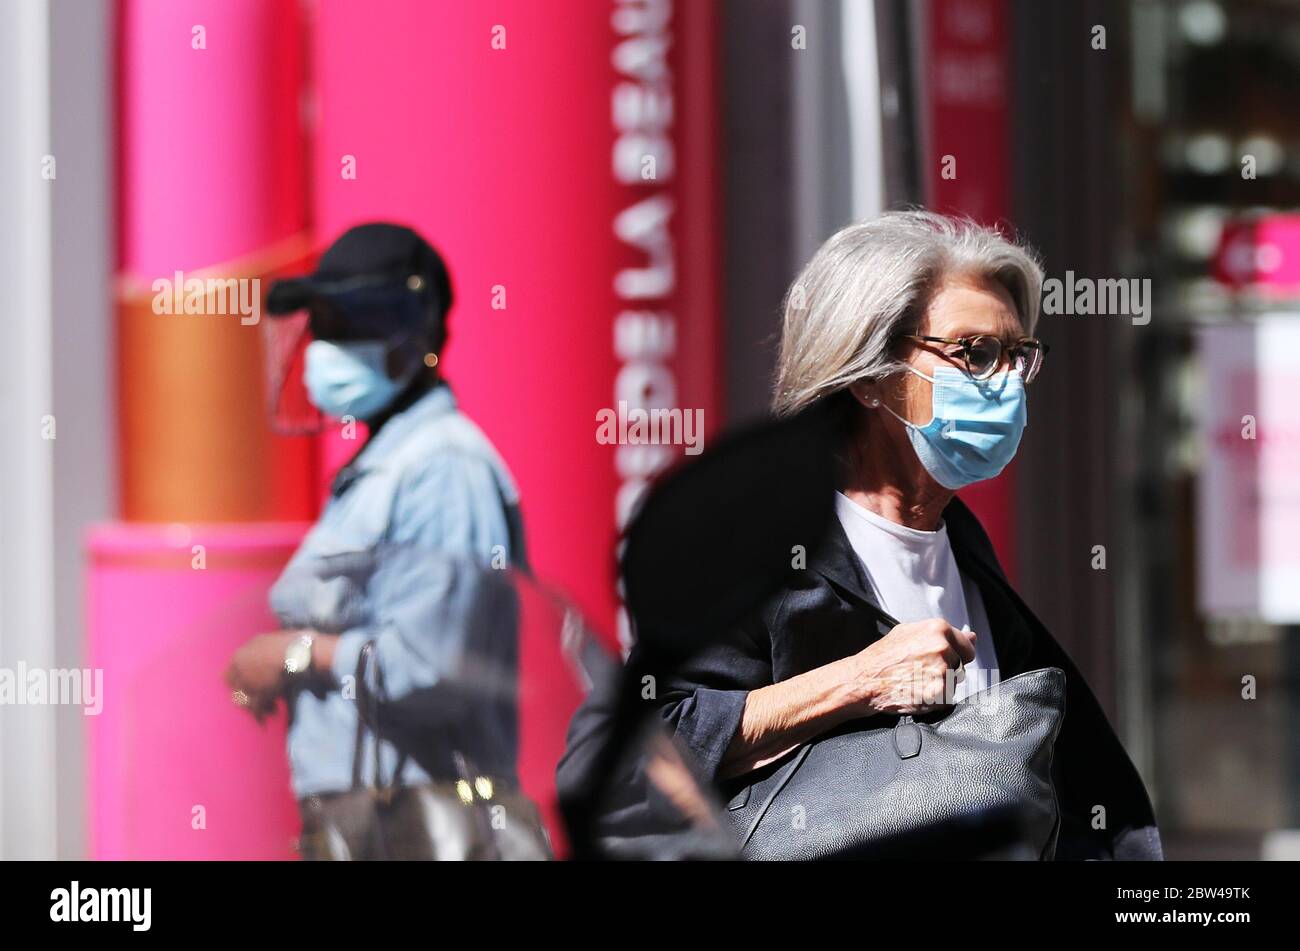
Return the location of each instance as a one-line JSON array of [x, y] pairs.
[[985, 354]]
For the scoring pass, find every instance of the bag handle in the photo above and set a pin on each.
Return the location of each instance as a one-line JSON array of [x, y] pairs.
[[368, 701], [787, 774]]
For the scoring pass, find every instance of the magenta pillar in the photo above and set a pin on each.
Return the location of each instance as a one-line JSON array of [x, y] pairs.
[[211, 182]]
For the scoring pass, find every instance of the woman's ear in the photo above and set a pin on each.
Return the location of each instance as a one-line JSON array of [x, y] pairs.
[[866, 393]]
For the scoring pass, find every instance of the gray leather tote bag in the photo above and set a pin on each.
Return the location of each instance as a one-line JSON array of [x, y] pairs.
[[852, 792]]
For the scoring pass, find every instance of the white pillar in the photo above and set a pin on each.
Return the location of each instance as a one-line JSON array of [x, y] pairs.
[[837, 153], [55, 365], [27, 758], [862, 87]]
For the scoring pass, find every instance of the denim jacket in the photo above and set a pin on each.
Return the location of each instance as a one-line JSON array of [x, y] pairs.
[[403, 555]]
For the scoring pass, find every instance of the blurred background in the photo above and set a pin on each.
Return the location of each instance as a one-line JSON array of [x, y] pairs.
[[623, 190]]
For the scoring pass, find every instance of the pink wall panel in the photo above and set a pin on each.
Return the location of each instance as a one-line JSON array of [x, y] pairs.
[[503, 159]]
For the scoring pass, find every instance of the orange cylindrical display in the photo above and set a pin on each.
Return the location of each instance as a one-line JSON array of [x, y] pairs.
[[196, 442]]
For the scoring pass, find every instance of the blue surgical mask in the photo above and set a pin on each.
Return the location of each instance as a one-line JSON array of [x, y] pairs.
[[976, 427], [350, 379]]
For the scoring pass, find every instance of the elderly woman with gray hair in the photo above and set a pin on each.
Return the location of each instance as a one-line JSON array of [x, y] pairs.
[[921, 326]]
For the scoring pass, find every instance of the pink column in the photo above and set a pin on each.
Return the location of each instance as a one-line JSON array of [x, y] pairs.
[[211, 181]]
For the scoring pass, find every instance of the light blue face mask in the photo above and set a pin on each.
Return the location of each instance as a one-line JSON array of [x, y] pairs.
[[350, 379], [976, 427]]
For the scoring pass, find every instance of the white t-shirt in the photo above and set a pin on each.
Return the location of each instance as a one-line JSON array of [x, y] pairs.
[[915, 576]]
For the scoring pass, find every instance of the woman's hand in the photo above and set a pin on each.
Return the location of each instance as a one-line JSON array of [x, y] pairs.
[[906, 671], [256, 673]]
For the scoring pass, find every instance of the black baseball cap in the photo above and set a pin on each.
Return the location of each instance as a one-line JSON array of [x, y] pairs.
[[376, 280]]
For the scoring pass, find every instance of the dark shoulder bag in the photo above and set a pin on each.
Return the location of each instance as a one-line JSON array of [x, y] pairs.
[[465, 816]]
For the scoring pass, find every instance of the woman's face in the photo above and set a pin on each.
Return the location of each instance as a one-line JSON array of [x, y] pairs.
[[962, 307]]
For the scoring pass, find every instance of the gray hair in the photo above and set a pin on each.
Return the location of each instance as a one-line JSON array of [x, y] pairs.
[[871, 282]]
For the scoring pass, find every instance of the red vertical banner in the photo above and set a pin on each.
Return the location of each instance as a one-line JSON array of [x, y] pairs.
[[965, 91]]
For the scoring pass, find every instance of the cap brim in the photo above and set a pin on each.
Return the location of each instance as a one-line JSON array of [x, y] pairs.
[[289, 296]]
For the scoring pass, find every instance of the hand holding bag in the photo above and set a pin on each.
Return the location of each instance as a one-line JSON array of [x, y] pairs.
[[853, 791]]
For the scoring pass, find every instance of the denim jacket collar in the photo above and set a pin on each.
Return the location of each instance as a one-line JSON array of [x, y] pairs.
[[439, 401]]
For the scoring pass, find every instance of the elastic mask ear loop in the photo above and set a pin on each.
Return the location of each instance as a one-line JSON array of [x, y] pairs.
[[875, 403], [911, 369]]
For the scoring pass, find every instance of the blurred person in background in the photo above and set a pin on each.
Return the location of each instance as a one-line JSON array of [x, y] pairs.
[[426, 480], [921, 327]]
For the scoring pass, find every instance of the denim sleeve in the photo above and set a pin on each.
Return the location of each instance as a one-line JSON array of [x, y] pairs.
[[348, 651]]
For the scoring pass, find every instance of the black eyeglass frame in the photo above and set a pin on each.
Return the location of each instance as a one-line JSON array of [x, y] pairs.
[[1004, 352]]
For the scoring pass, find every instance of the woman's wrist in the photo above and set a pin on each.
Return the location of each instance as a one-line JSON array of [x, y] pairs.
[[860, 687]]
